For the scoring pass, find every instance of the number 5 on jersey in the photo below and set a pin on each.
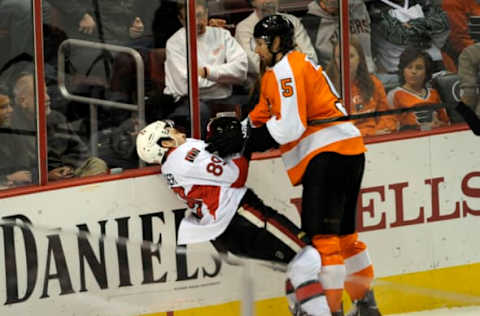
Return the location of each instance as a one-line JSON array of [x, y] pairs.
[[287, 87]]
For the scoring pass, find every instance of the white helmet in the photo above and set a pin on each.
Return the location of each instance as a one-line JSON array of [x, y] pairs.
[[148, 148]]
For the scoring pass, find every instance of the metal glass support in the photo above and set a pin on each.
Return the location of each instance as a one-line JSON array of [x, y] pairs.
[[95, 102]]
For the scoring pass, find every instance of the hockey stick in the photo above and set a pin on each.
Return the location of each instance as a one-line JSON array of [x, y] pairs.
[[421, 107]]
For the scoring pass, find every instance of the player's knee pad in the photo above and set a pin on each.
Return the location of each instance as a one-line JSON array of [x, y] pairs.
[[351, 245], [355, 255], [305, 266], [303, 273]]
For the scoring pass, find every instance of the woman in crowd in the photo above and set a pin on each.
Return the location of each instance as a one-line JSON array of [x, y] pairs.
[[368, 93]]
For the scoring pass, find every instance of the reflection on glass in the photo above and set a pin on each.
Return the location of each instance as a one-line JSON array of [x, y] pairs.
[[154, 29], [18, 151], [109, 132], [18, 165]]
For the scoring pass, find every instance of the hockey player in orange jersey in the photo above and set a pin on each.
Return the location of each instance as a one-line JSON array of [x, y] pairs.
[[328, 160]]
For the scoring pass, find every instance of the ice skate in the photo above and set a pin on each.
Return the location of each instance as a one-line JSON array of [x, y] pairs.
[[297, 310], [367, 306]]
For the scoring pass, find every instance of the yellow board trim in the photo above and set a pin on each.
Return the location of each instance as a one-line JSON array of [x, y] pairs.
[[412, 292]]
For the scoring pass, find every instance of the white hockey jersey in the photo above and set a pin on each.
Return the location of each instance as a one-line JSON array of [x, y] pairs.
[[212, 188]]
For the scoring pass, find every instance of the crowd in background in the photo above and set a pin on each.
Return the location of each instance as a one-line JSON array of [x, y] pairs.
[[403, 53]]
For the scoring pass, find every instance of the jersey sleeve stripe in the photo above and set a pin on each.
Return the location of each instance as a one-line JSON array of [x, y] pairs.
[[319, 139], [242, 165]]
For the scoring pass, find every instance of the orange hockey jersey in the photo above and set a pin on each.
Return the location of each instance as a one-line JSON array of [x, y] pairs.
[[293, 92], [458, 12], [378, 102], [400, 98]]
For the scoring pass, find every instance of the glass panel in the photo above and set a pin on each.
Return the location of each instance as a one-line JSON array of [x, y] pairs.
[[176, 66], [229, 68], [409, 64], [460, 54], [104, 134], [18, 130]]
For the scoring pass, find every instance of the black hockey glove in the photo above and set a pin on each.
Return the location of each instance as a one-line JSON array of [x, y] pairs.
[[225, 136], [258, 140]]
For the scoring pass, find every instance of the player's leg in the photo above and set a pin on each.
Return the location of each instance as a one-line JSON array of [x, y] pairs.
[[258, 231], [323, 206], [358, 265], [271, 235], [359, 276]]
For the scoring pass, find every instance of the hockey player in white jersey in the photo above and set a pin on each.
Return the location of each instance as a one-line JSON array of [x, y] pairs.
[[222, 210]]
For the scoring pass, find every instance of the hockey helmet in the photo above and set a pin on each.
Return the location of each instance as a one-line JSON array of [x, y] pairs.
[[223, 122], [272, 26], [149, 140]]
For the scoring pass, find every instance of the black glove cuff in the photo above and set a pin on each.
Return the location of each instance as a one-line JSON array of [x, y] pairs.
[[259, 140]]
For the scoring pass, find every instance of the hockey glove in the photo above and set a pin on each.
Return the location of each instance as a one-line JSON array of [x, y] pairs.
[[225, 136], [258, 140]]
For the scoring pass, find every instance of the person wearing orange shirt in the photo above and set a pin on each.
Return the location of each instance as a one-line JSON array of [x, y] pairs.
[[327, 159], [415, 70], [459, 13], [368, 93]]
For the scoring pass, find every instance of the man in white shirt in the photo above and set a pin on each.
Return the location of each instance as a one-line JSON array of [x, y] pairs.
[[322, 23], [244, 34], [222, 63]]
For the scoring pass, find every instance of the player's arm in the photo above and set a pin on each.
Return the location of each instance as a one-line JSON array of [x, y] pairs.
[[287, 96]]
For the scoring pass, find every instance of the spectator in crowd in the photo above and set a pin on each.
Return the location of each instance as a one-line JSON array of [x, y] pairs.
[[165, 23], [368, 94], [124, 75], [323, 26], [118, 22], [415, 70], [14, 167], [67, 155], [244, 34], [397, 24], [469, 73], [17, 23], [126, 22], [222, 62], [459, 13]]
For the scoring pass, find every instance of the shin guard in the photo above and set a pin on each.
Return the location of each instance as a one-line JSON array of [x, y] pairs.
[[303, 274], [358, 266]]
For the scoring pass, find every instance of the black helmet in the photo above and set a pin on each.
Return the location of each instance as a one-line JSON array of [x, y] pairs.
[[275, 25]]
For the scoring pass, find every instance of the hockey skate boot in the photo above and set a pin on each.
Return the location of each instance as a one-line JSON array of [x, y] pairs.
[[297, 310], [367, 306]]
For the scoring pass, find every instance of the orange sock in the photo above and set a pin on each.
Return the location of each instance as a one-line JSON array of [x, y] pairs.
[[358, 284], [358, 266], [332, 275]]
